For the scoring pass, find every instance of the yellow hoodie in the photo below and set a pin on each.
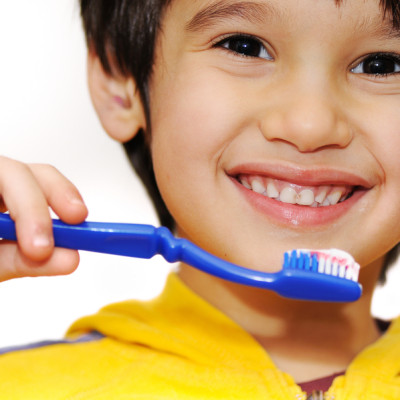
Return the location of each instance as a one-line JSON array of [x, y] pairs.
[[179, 347]]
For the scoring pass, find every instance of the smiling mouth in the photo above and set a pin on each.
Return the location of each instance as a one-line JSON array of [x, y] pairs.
[[290, 193]]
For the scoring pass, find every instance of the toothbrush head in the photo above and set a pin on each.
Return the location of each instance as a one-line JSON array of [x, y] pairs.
[[331, 262], [322, 275]]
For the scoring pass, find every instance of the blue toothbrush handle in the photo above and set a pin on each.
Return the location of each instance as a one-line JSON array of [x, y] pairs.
[[134, 240], [140, 241]]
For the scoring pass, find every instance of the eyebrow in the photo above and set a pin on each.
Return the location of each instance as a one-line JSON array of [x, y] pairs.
[[253, 12], [384, 29]]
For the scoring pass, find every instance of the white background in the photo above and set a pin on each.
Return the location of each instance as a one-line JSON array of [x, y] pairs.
[[46, 116]]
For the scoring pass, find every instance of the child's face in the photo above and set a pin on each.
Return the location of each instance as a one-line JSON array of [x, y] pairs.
[[296, 98]]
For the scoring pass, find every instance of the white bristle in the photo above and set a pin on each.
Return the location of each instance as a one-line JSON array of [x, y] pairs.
[[335, 268], [342, 271], [328, 265], [349, 273], [356, 271], [321, 264], [335, 262], [353, 272]]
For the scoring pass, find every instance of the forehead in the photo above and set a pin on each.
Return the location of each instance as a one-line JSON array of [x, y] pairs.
[[197, 15]]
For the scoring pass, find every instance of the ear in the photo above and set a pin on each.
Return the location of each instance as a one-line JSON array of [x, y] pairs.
[[116, 101]]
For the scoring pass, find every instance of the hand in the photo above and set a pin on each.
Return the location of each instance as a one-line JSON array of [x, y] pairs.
[[27, 192]]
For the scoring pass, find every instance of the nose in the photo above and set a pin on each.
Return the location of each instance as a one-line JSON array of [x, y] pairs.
[[307, 117]]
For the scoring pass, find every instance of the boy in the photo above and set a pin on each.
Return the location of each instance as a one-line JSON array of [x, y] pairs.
[[269, 125]]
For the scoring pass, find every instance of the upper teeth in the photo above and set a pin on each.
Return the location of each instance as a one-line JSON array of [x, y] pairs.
[[295, 194]]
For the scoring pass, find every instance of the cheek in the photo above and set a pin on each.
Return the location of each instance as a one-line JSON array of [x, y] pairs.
[[376, 124], [196, 103], [382, 137], [385, 142], [194, 117]]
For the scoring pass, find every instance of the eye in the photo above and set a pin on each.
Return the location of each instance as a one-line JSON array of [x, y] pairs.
[[379, 65], [246, 46]]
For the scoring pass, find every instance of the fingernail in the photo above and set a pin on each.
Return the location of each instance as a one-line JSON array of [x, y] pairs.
[[42, 240], [75, 200]]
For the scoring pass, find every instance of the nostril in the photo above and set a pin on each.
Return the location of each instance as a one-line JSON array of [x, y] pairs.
[[307, 123]]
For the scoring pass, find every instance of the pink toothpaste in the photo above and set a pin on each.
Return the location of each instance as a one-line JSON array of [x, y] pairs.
[[334, 262]]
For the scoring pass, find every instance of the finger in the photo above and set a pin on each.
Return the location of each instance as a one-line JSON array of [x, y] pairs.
[[14, 264], [62, 196], [28, 207]]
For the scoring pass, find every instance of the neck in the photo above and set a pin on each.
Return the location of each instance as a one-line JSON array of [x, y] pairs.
[[305, 339]]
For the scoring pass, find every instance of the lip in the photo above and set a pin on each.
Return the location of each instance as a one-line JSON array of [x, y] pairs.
[[293, 214], [316, 176]]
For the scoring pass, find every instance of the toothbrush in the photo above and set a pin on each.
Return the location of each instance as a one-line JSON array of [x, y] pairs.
[[328, 275]]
